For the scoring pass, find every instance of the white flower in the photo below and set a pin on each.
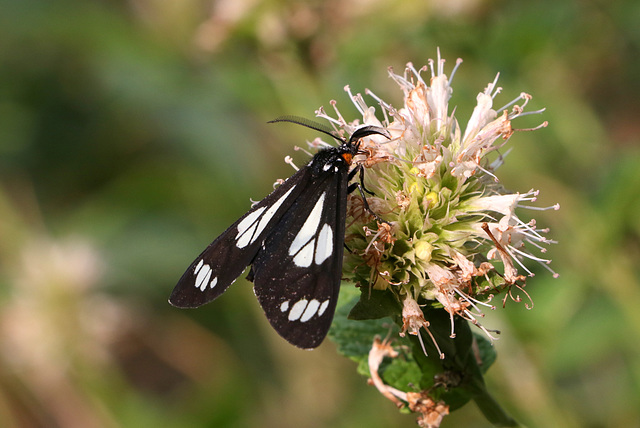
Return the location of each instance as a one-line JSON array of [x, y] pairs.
[[436, 185]]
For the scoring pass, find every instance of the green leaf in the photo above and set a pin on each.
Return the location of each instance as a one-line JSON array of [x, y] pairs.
[[375, 304], [354, 338], [401, 372], [486, 351]]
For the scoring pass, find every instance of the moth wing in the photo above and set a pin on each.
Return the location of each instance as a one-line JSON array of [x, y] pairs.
[[220, 264], [297, 273]]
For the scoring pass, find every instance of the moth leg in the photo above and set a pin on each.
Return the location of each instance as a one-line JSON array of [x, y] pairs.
[[360, 186], [358, 170]]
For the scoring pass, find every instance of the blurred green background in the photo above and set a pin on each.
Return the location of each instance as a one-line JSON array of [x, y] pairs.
[[132, 132]]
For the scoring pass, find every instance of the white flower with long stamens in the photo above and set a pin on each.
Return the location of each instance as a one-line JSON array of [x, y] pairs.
[[449, 219]]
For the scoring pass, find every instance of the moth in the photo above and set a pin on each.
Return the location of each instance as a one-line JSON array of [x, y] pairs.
[[293, 240]]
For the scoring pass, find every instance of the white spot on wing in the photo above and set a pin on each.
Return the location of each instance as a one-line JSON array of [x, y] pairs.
[[309, 228], [324, 248], [200, 263], [270, 212], [305, 255], [323, 307], [310, 311], [247, 227], [297, 309], [250, 228], [214, 281], [202, 278], [284, 307]]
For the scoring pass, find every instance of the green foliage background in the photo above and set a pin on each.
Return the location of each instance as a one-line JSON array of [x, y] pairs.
[[133, 132]]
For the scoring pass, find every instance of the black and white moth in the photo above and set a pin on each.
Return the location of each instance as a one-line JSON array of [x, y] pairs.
[[294, 241]]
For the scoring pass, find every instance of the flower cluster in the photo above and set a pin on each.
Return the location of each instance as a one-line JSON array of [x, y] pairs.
[[448, 219]]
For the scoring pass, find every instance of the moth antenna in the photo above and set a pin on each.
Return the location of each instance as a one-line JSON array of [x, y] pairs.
[[308, 123]]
